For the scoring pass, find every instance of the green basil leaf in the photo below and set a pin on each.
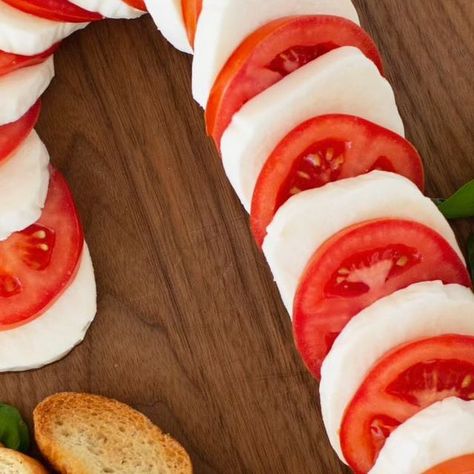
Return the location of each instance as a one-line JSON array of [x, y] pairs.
[[460, 204], [470, 254], [14, 432]]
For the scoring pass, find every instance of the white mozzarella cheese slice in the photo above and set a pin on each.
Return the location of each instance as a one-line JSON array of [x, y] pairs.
[[109, 8], [342, 81], [168, 17], [310, 218], [55, 333], [443, 431], [224, 24], [25, 34], [24, 180], [20, 89], [420, 311]]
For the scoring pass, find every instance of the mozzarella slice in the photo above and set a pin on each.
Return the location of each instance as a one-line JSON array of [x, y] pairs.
[[51, 336], [109, 8], [224, 24], [342, 81], [20, 89], [25, 34], [310, 218], [168, 17], [24, 180], [420, 311], [443, 431]]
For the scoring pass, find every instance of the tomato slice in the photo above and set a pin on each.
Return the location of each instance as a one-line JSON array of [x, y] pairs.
[[13, 134], [271, 53], [138, 4], [324, 149], [10, 62], [56, 10], [402, 383], [360, 265], [460, 465], [38, 263], [191, 11]]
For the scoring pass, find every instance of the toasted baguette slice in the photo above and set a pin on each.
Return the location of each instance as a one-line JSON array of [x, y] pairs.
[[13, 462], [87, 434]]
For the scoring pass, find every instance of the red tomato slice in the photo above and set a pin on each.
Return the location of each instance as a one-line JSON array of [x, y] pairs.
[[11, 62], [460, 465], [325, 149], [402, 383], [38, 263], [138, 4], [191, 11], [360, 265], [273, 52], [13, 134], [56, 10]]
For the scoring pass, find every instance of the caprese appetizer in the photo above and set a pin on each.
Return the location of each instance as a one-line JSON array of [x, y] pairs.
[[313, 143], [421, 311], [47, 285]]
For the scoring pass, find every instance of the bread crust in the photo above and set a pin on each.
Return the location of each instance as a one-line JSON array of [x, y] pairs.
[[21, 461], [80, 433]]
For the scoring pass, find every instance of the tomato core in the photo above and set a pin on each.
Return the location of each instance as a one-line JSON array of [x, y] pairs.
[[370, 269], [317, 165], [424, 383], [297, 56]]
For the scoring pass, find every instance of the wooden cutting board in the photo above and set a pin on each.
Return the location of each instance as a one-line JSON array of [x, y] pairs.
[[190, 328]]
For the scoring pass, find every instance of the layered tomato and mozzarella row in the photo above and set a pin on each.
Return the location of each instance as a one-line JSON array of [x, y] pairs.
[[312, 141], [422, 311], [47, 285], [369, 269]]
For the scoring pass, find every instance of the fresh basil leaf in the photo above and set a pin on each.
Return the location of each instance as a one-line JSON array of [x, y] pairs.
[[14, 432], [470, 254], [460, 204]]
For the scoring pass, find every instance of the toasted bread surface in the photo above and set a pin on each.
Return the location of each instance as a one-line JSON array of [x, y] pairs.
[[89, 434], [13, 462]]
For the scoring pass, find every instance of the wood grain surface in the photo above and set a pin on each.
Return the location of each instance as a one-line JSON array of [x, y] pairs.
[[190, 328]]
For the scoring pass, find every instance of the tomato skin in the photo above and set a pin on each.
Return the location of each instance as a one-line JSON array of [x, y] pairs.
[[56, 10], [460, 465], [364, 144], [338, 282], [10, 62], [252, 68], [13, 134], [191, 11], [374, 399], [38, 263], [138, 4]]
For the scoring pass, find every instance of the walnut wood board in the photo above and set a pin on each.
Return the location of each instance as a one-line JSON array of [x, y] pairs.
[[190, 328]]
